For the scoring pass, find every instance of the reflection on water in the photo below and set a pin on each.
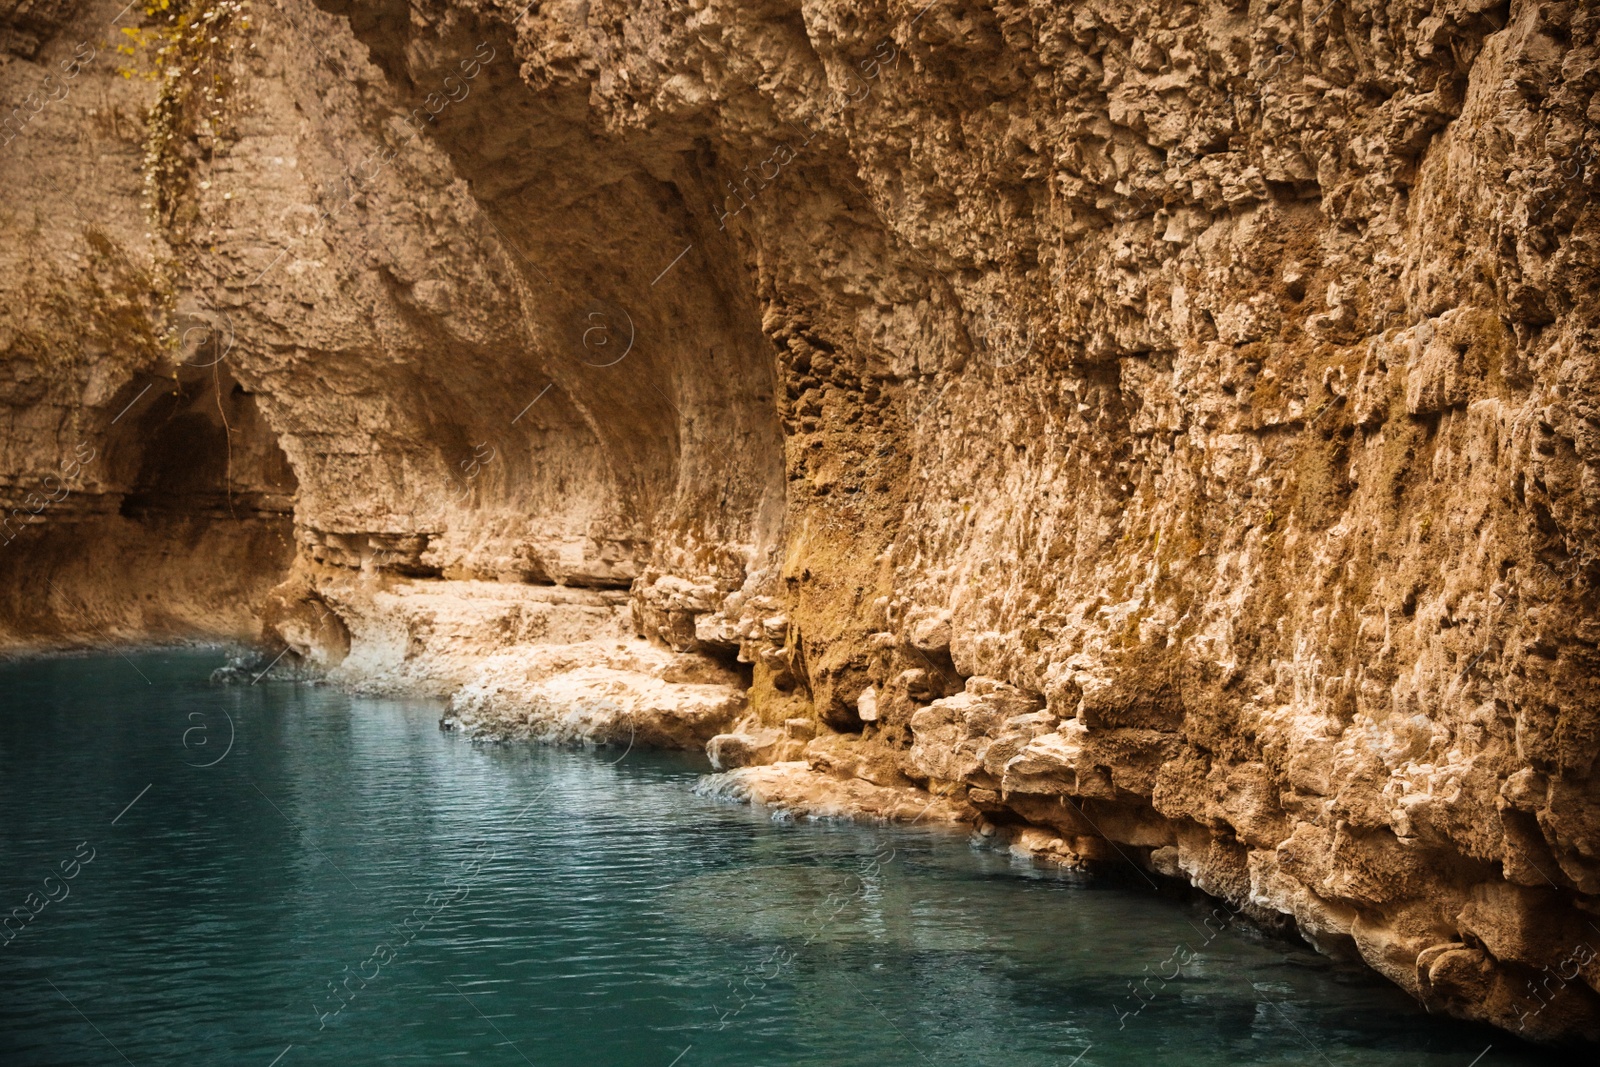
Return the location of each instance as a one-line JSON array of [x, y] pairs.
[[288, 874]]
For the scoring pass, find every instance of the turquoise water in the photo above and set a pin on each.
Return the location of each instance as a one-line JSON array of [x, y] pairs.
[[344, 884]]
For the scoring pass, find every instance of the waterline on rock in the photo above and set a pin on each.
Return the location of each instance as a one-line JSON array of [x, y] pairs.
[[351, 884]]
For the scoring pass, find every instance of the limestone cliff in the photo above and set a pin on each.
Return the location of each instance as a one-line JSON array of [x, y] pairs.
[[1170, 430]]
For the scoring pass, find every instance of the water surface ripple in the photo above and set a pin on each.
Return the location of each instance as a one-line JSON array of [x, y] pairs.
[[284, 874]]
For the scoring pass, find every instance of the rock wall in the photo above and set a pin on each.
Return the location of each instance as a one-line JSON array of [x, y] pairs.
[[1168, 429]]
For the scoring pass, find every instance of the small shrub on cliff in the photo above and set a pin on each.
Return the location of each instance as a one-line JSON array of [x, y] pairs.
[[112, 308]]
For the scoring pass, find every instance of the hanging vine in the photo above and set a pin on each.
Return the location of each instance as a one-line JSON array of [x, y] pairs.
[[192, 48]]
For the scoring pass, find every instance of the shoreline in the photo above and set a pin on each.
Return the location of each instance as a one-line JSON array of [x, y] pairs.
[[830, 781]]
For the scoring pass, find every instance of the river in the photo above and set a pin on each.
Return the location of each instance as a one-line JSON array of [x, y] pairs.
[[284, 874]]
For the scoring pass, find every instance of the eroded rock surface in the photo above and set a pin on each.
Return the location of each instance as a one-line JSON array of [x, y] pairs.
[[1171, 427], [628, 693]]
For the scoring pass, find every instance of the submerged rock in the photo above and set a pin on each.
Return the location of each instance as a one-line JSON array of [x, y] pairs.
[[796, 790]]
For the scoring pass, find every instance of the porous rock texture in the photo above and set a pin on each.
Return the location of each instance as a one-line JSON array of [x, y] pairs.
[[1170, 428]]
